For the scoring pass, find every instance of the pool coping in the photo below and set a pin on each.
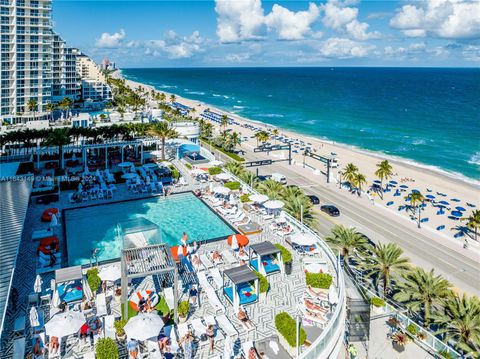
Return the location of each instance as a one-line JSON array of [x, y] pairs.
[[64, 226]]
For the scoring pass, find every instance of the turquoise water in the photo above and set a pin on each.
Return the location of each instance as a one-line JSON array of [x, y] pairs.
[[95, 227], [429, 116], [98, 113]]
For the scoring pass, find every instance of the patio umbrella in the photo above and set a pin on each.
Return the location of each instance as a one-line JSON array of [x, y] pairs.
[[223, 176], [34, 317], [393, 182], [445, 203], [221, 190], [237, 240], [415, 191], [144, 326], [129, 176], [303, 239], [455, 200], [273, 204], [404, 186], [461, 209], [430, 196], [63, 324], [457, 213], [55, 299], [234, 242], [258, 198], [110, 273], [37, 287], [377, 181], [125, 164]]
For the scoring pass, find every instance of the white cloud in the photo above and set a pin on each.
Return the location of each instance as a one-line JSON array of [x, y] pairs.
[[415, 51], [343, 48], [239, 20], [343, 19], [415, 33], [110, 41], [451, 19], [237, 57], [291, 25], [471, 53], [175, 46]]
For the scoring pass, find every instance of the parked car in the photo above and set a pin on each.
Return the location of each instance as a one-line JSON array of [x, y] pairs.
[[314, 199], [330, 210], [279, 178]]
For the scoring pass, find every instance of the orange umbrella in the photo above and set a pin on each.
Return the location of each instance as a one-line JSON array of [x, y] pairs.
[[174, 251], [242, 240]]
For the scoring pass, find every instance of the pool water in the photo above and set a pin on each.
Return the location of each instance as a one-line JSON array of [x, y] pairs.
[[95, 227]]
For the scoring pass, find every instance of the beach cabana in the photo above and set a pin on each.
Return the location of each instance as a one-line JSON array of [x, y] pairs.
[[69, 284], [240, 286], [265, 258]]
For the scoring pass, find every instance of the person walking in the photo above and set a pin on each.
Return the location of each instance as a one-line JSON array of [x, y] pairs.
[[352, 351]]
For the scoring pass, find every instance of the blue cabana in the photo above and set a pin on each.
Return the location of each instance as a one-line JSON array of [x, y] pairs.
[[265, 258], [240, 286]]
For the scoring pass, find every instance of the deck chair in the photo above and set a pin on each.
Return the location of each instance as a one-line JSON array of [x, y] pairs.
[[228, 257], [214, 300], [217, 277], [169, 297], [182, 329], [210, 320], [226, 325], [199, 329], [206, 261], [109, 326], [101, 305]]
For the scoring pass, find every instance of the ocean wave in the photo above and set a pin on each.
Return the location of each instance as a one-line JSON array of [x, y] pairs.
[[475, 159], [310, 122], [271, 115], [238, 107], [195, 93], [163, 86], [418, 142], [216, 95]]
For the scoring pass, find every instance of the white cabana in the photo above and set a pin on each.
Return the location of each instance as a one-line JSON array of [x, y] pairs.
[[258, 198], [63, 324], [223, 176], [221, 190], [110, 273], [274, 204], [37, 286], [303, 239], [144, 326], [34, 322]]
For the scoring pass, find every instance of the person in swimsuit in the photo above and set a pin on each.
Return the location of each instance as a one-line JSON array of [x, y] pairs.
[[211, 335]]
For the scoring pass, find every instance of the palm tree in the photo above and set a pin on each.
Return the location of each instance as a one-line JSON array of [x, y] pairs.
[[384, 172], [224, 122], [346, 241], [416, 198], [249, 177], [234, 167], [59, 137], [298, 206], [473, 222], [32, 106], [162, 97], [164, 131], [359, 180], [422, 291], [271, 188], [50, 107], [385, 264], [262, 136], [207, 131], [233, 141], [173, 98], [349, 172], [275, 133], [459, 321]]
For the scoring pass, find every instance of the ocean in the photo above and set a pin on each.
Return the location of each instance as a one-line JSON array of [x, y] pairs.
[[427, 116]]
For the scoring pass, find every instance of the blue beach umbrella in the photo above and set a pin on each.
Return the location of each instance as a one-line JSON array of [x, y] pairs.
[[455, 200], [403, 186], [471, 205], [430, 196], [461, 209], [457, 213], [393, 182], [415, 191], [439, 228], [377, 181], [444, 203]]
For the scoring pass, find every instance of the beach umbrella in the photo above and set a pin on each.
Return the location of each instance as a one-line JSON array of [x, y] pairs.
[[461, 209], [237, 240], [129, 176], [37, 286], [258, 198], [221, 190], [445, 203], [34, 317], [430, 196], [377, 181], [304, 239], [455, 200], [144, 326], [273, 204], [415, 191], [393, 182], [125, 164], [227, 348], [471, 205], [223, 176], [110, 273], [403, 186], [456, 213], [55, 299], [63, 324], [234, 242]]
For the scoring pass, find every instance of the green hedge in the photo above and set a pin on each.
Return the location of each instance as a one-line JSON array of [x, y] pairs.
[[286, 254], [319, 280], [263, 282], [93, 279], [232, 155], [213, 171], [245, 198], [287, 327], [175, 173], [377, 302], [234, 186], [106, 349]]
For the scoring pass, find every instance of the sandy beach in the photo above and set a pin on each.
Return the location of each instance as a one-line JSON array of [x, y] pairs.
[[427, 181]]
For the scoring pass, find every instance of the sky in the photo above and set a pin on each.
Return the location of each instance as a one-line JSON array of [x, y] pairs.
[[234, 33]]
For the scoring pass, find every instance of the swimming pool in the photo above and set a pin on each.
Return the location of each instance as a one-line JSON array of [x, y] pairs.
[[95, 227]]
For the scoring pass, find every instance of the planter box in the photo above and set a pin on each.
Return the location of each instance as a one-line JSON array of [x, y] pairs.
[[289, 349]]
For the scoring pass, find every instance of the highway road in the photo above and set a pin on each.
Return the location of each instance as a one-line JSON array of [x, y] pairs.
[[423, 249]]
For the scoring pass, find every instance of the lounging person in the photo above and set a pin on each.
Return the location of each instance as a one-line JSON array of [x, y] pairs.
[[95, 327], [84, 332], [196, 261], [243, 317], [163, 343], [38, 349], [53, 346], [316, 293], [210, 332], [315, 315], [216, 257], [132, 347], [186, 343], [312, 306], [253, 354]]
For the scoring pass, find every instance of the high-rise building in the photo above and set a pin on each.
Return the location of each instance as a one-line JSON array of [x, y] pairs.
[[26, 58], [66, 81], [88, 69]]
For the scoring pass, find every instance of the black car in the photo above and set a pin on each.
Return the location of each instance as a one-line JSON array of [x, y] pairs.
[[314, 199], [331, 210]]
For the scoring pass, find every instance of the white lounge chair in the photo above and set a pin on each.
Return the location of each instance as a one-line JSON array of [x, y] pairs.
[[182, 329], [109, 326], [226, 325], [203, 281], [214, 300], [101, 304], [170, 332], [206, 261], [217, 277], [228, 257], [169, 298]]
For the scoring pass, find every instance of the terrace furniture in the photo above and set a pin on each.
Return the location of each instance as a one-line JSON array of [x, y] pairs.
[[109, 326], [206, 261], [226, 325], [169, 297], [101, 305], [217, 277], [228, 256], [19, 348]]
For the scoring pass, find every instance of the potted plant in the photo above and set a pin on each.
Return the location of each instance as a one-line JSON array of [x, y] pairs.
[[120, 333], [93, 280], [378, 305], [421, 335], [399, 340], [263, 286], [287, 258], [393, 322], [287, 330], [244, 198], [412, 329], [183, 308], [106, 349]]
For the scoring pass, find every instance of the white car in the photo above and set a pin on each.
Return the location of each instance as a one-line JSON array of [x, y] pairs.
[[279, 178]]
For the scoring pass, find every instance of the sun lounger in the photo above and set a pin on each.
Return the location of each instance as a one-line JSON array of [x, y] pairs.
[[206, 261], [182, 329], [214, 300], [210, 320], [101, 305], [109, 326], [226, 325], [229, 257], [169, 297], [217, 277], [215, 262], [198, 327]]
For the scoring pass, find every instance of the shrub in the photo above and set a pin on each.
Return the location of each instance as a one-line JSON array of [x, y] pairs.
[[286, 254], [175, 173], [93, 279], [119, 324], [412, 329], [245, 198], [213, 171], [446, 355], [188, 165], [319, 280], [106, 349], [287, 327], [377, 302], [183, 308], [234, 186], [263, 282], [400, 338], [232, 155]]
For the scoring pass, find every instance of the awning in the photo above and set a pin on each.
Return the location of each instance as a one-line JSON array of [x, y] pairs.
[[239, 275], [264, 248], [67, 274]]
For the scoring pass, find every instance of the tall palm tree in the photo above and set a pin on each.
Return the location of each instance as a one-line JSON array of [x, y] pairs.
[[271, 188], [162, 97], [234, 167], [459, 321], [233, 141], [32, 106], [346, 241], [249, 178], [359, 180], [349, 172], [50, 107], [386, 264], [275, 133], [173, 98], [164, 131], [224, 122], [263, 136], [422, 292], [299, 206], [59, 137], [473, 222], [384, 172], [416, 199], [207, 130]]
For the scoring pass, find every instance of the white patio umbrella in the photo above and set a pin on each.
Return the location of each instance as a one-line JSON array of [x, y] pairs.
[[129, 175], [221, 190], [37, 286], [63, 324], [34, 317], [125, 164], [110, 273], [303, 239], [55, 299], [234, 242], [223, 176], [274, 204], [227, 348], [144, 326], [258, 198]]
